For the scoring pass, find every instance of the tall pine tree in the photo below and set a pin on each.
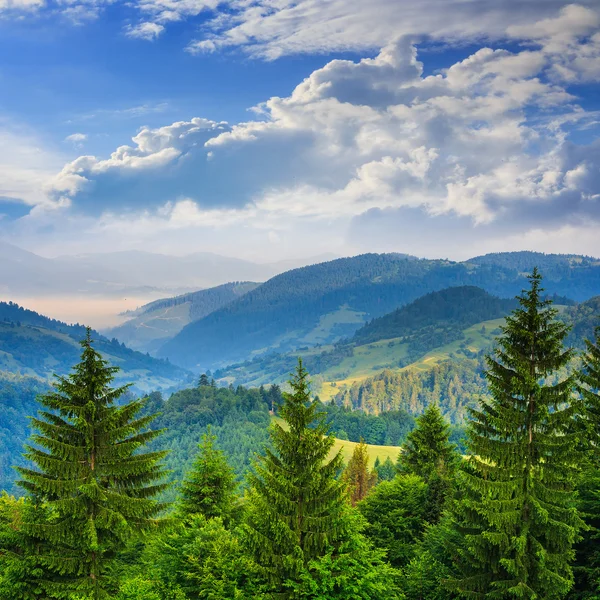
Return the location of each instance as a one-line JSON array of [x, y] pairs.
[[97, 484], [209, 488], [296, 504], [587, 564], [518, 507]]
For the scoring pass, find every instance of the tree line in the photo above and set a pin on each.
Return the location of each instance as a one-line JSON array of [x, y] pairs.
[[516, 517]]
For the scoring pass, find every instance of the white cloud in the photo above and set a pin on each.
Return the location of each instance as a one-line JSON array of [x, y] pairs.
[[145, 31], [20, 5], [77, 139], [26, 165], [274, 28], [485, 144]]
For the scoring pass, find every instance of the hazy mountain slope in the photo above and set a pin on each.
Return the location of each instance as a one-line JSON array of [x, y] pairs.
[[34, 345], [134, 273], [323, 303], [391, 341], [157, 321]]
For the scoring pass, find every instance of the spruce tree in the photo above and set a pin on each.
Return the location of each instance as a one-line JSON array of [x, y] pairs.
[[429, 454], [518, 505], [295, 501], [357, 475], [97, 484], [209, 488], [587, 564], [427, 450]]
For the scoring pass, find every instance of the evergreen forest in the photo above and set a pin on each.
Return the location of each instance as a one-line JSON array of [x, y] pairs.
[[230, 492]]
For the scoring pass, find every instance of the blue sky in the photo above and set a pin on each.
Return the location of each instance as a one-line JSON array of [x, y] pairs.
[[263, 128]]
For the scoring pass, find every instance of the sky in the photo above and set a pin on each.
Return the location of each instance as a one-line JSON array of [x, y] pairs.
[[271, 129]]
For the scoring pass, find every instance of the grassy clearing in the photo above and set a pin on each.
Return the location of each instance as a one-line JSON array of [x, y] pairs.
[[323, 332], [371, 359], [347, 448]]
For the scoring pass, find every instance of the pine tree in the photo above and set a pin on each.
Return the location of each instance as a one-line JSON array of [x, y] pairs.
[[295, 501], [209, 488], [204, 381], [518, 506], [96, 483], [357, 475], [427, 450], [589, 387], [429, 454], [386, 470], [587, 564]]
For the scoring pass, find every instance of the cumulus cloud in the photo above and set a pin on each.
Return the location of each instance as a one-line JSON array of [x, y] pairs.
[[485, 146], [144, 31], [272, 29]]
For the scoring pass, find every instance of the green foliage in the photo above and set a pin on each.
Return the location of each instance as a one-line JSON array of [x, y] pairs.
[[209, 489], [355, 571], [587, 564], [202, 559], [17, 400], [435, 319], [429, 454], [396, 515], [239, 418], [141, 588], [454, 385], [426, 574], [427, 450], [518, 506], [97, 484], [388, 428], [20, 570], [295, 502], [386, 471]]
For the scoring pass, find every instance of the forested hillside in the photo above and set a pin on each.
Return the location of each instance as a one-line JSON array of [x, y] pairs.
[[32, 344], [150, 325], [326, 302], [441, 314], [393, 340], [17, 402]]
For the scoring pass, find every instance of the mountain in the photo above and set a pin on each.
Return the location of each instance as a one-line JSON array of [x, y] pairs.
[[323, 303], [392, 341], [454, 308], [157, 321], [24, 273], [37, 346]]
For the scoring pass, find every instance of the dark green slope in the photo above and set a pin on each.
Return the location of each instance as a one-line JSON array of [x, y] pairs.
[[435, 319], [280, 314], [453, 308], [152, 324], [32, 344]]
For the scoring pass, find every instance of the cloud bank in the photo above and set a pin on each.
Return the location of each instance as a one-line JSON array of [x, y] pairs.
[[496, 148]]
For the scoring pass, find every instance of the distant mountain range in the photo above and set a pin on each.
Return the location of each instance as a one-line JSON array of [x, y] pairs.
[[127, 273], [323, 303], [150, 325]]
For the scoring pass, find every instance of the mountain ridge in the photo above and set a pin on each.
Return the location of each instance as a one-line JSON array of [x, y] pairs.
[[329, 301]]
